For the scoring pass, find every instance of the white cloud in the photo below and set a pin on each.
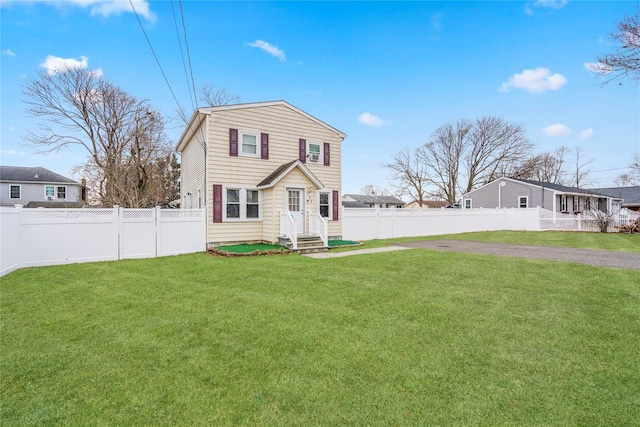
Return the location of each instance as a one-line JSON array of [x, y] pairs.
[[587, 133], [370, 119], [536, 81], [107, 8], [544, 4], [271, 50], [557, 130], [598, 68], [12, 153], [55, 64], [8, 52]]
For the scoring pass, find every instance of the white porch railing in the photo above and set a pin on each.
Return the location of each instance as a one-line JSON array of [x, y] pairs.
[[288, 228], [319, 226]]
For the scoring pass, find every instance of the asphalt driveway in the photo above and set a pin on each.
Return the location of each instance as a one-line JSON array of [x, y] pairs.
[[598, 258]]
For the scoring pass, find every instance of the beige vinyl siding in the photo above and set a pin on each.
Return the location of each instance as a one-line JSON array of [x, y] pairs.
[[285, 127], [192, 169]]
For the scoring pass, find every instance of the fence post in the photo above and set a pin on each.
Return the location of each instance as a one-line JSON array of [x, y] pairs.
[[117, 219], [157, 225], [20, 244]]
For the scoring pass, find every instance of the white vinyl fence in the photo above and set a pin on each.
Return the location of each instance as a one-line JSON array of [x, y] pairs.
[[37, 237], [583, 222], [380, 223]]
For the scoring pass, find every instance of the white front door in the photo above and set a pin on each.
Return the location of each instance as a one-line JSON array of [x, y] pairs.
[[295, 207]]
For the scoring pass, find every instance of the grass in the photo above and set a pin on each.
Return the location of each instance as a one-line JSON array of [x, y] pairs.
[[412, 337]]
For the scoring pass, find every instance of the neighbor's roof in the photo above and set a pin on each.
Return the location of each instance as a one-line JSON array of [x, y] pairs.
[[630, 195], [375, 199], [32, 174], [200, 113]]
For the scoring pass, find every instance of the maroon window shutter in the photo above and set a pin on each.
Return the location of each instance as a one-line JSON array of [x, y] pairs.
[[233, 142], [217, 203], [327, 155], [264, 146], [303, 150], [336, 205]]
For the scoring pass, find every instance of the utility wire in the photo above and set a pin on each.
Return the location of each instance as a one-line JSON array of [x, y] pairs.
[[154, 53], [184, 65], [186, 42]]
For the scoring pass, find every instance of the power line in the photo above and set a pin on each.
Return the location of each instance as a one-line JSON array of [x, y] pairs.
[[184, 65], [154, 53], [186, 42]]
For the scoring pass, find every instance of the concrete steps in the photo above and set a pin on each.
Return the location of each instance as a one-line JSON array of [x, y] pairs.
[[306, 244]]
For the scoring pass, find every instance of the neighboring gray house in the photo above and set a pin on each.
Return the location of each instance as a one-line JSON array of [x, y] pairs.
[[630, 196], [521, 193], [38, 187], [362, 201]]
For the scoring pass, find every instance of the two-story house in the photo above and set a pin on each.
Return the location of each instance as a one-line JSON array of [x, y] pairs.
[[35, 187], [266, 171]]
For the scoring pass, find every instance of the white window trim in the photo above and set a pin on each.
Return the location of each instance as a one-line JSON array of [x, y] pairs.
[[243, 204], [320, 154], [464, 204], [65, 192], [330, 196], [19, 192], [526, 198], [240, 145]]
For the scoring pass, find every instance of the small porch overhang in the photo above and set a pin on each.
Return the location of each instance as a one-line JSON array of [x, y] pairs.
[[283, 170]]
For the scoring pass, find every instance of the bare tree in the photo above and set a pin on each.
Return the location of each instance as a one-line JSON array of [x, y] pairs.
[[493, 143], [633, 176], [625, 60], [122, 136], [580, 172], [442, 156], [408, 175], [544, 167], [374, 190]]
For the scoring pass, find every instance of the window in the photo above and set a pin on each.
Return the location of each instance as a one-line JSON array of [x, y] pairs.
[[563, 203], [242, 204], [253, 204], [61, 193], [314, 152], [523, 202], [575, 204], [15, 191], [467, 203], [49, 191], [233, 203], [324, 205], [249, 143]]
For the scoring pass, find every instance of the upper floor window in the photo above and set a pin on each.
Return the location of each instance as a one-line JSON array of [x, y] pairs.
[[61, 193], [314, 152], [249, 144], [15, 191], [52, 192], [467, 203]]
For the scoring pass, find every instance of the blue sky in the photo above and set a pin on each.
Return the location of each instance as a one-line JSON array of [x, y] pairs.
[[385, 73]]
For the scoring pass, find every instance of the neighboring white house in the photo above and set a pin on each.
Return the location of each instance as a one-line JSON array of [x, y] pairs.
[[427, 204], [520, 193], [367, 201], [264, 170], [38, 187]]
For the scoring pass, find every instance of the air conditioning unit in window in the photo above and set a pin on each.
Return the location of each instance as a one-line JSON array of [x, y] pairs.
[[49, 197], [314, 157]]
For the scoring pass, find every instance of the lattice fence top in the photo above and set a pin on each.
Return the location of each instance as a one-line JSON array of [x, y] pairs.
[[67, 214], [181, 214], [137, 213]]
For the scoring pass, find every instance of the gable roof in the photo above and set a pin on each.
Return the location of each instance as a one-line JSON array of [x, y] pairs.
[[630, 195], [32, 174], [282, 170], [362, 198], [201, 113]]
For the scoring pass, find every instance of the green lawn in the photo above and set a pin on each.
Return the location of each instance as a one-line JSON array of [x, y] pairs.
[[412, 337]]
